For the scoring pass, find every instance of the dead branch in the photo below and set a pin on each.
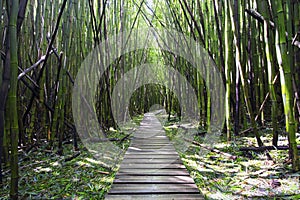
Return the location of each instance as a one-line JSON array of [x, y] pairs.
[[232, 157], [264, 148], [256, 15], [35, 65]]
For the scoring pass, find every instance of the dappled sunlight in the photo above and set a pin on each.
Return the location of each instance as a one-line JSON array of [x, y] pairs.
[[40, 169], [134, 148], [219, 177]]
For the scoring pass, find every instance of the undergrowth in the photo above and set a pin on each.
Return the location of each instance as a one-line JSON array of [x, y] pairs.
[[249, 175], [76, 175]]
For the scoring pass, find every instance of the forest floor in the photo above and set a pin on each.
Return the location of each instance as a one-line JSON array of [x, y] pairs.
[[226, 172], [77, 175]]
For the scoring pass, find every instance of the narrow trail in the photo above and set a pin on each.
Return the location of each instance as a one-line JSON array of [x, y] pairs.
[[151, 168]]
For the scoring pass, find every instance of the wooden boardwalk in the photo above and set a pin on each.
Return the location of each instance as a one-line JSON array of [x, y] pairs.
[[151, 168]]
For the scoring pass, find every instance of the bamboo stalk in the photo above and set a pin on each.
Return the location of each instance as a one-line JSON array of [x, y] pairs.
[[271, 73], [239, 69], [228, 70], [12, 96], [283, 60]]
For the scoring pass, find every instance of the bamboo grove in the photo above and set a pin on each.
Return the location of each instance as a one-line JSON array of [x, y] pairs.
[[254, 44]]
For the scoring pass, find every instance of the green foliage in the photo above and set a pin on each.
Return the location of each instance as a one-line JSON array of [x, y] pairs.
[[46, 175], [250, 175]]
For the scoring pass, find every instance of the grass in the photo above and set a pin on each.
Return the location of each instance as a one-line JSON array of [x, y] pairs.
[[45, 175], [249, 176]]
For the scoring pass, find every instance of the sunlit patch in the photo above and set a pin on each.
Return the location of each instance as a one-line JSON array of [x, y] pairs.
[[81, 163], [134, 148], [41, 169], [99, 162], [56, 164]]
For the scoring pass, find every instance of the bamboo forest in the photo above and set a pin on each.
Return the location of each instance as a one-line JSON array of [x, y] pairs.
[[149, 99]]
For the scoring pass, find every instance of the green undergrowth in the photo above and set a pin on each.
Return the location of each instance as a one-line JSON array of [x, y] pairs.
[[75, 175], [45, 175], [223, 171]]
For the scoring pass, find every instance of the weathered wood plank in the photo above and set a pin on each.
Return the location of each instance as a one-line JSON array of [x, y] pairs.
[[160, 172], [154, 148], [151, 156], [152, 165], [156, 151], [152, 161], [151, 145], [150, 188], [154, 179], [156, 197], [149, 151]]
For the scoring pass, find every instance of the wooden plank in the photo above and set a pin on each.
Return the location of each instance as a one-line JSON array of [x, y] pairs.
[[151, 160], [157, 172], [153, 152], [153, 179], [156, 151], [151, 166], [151, 139], [156, 197], [158, 140], [154, 148], [153, 145], [151, 188], [151, 156]]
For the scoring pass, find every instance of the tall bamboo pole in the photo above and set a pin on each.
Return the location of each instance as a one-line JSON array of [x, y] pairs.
[[241, 73], [271, 70], [4, 87], [284, 62], [12, 96], [228, 69]]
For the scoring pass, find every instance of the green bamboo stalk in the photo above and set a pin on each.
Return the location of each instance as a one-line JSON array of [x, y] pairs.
[[284, 61], [12, 97], [239, 68], [62, 96], [271, 71], [4, 82], [6, 138], [228, 70], [238, 116], [296, 9]]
